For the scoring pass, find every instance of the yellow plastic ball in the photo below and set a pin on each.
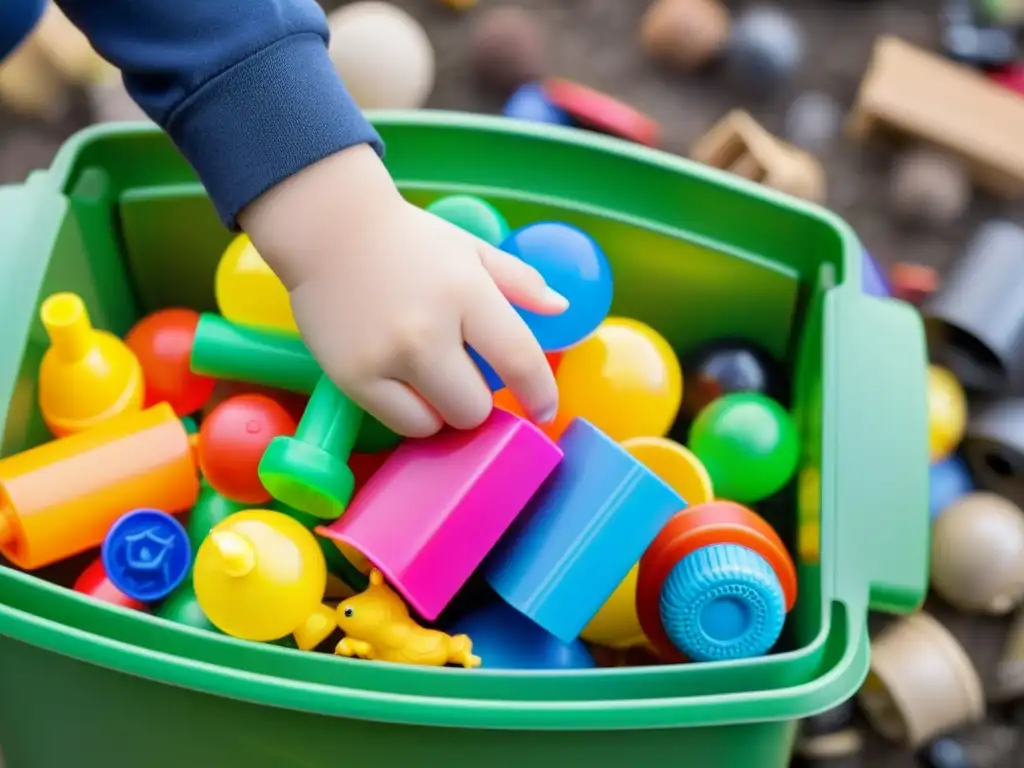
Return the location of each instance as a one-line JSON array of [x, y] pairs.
[[947, 412], [624, 378], [675, 464], [248, 291], [259, 575], [616, 625]]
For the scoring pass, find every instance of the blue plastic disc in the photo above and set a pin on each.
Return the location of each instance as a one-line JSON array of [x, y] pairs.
[[723, 602], [146, 554], [948, 480], [529, 102]]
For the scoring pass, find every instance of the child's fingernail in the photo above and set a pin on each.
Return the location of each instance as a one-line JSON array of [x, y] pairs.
[[547, 415], [553, 297]]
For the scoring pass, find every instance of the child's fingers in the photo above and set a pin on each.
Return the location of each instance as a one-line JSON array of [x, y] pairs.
[[520, 283], [398, 408], [449, 380], [493, 328]]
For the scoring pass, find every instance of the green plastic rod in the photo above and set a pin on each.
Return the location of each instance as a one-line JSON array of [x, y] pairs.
[[226, 350], [309, 471]]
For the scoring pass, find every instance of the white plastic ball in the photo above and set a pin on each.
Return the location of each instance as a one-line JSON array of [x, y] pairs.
[[383, 54]]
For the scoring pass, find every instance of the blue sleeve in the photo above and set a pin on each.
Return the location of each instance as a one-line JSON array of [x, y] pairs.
[[244, 88], [17, 19]]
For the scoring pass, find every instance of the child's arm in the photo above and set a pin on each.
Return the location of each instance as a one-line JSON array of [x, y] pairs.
[[244, 88], [17, 19], [385, 294]]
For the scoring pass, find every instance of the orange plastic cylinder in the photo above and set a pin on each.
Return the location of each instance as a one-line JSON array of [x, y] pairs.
[[60, 498]]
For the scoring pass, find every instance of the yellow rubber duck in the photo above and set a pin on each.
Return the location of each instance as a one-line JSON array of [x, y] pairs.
[[260, 575], [377, 625]]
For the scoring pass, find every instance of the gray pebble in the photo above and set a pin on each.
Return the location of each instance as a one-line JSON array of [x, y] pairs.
[[766, 46], [929, 187], [813, 121]]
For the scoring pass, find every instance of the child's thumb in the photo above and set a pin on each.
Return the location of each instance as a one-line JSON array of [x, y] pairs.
[[521, 284]]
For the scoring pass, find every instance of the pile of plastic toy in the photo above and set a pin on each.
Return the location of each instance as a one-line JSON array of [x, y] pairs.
[[231, 486]]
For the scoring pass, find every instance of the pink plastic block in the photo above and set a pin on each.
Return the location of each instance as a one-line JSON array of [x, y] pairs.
[[436, 507]]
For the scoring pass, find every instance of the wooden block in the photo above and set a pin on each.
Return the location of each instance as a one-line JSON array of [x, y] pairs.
[[924, 97], [739, 145]]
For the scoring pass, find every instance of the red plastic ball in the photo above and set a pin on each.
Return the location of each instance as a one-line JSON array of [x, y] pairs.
[[232, 440], [292, 402], [94, 582], [162, 341]]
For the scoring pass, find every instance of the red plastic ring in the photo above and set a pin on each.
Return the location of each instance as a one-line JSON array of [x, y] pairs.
[[602, 112]]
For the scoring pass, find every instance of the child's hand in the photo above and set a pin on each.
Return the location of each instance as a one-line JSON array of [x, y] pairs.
[[387, 295]]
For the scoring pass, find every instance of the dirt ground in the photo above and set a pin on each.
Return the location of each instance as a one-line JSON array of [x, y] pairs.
[[595, 42]]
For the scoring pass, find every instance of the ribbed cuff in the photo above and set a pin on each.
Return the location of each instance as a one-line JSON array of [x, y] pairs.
[[266, 118]]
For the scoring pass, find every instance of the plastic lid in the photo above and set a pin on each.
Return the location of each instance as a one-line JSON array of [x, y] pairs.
[[721, 602], [146, 554]]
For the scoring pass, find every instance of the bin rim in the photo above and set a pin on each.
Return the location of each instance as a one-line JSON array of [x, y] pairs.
[[64, 160], [842, 680]]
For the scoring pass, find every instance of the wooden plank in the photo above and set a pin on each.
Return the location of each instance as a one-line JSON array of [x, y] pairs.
[[926, 97]]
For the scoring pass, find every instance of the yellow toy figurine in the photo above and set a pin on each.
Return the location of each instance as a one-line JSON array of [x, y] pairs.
[[260, 575], [377, 625]]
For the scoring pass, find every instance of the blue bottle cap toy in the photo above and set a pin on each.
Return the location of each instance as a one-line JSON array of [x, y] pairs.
[[723, 602], [146, 554]]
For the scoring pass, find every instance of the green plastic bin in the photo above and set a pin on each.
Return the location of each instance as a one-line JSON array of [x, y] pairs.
[[120, 219]]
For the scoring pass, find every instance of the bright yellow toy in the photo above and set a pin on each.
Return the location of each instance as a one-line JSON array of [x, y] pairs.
[[624, 378], [87, 376], [616, 624], [947, 412], [377, 626], [260, 575], [247, 290]]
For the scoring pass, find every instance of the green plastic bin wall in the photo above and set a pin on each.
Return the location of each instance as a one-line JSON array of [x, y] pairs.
[[120, 219]]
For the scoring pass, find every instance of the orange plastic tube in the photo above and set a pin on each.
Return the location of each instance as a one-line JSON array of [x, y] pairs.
[[60, 498]]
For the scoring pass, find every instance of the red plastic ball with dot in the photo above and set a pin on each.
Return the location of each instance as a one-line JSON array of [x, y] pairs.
[[232, 441]]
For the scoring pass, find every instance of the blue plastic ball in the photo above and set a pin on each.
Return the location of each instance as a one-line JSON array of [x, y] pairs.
[[505, 639], [529, 102], [575, 266], [948, 480]]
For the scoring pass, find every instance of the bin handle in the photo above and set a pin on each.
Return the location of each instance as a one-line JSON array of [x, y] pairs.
[[876, 420], [26, 210]]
